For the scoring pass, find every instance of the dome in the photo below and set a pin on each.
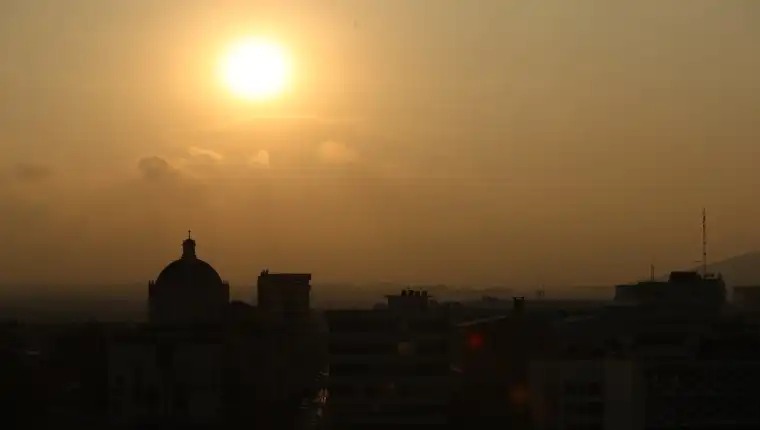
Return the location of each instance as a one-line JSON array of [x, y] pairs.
[[188, 291], [189, 270]]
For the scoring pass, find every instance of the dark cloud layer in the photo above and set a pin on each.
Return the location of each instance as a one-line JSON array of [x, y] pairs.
[[31, 172], [155, 168]]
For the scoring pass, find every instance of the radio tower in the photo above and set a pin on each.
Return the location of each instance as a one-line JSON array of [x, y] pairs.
[[704, 242]]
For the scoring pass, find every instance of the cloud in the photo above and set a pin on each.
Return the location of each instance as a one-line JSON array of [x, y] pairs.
[[155, 168], [338, 153], [30, 172], [205, 153], [261, 159], [246, 121]]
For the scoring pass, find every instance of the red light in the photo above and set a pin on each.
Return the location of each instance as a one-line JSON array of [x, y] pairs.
[[475, 340]]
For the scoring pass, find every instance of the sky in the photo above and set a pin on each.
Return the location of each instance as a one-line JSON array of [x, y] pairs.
[[498, 142]]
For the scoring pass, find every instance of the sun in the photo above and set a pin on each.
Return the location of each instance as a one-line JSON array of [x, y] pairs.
[[255, 69]]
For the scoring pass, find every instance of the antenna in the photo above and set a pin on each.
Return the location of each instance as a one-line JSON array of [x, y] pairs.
[[651, 272], [704, 242]]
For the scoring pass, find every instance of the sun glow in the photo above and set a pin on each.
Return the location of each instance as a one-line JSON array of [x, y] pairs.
[[255, 69]]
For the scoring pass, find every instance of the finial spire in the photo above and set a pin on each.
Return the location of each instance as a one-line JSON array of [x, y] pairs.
[[188, 246]]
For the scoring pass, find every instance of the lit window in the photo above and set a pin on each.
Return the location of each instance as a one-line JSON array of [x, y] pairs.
[[406, 348]]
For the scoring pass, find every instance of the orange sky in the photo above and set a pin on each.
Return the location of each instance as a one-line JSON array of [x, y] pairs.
[[521, 142]]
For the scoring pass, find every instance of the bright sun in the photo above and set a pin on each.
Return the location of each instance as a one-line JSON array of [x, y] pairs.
[[255, 69]]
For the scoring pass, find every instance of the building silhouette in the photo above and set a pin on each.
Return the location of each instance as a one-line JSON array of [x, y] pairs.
[[203, 362], [390, 368], [661, 355], [492, 358], [747, 297], [668, 355], [188, 291], [284, 296], [682, 289]]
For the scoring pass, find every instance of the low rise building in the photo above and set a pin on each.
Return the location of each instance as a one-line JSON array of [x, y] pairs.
[[171, 378], [390, 368], [747, 297], [645, 368], [586, 394]]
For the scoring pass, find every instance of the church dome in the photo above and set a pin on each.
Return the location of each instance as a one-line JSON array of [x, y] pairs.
[[189, 270]]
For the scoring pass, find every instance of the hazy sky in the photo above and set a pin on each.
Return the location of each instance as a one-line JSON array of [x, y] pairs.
[[522, 142]]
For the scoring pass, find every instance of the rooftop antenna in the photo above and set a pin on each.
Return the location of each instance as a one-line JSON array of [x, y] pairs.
[[651, 272], [189, 234], [704, 242]]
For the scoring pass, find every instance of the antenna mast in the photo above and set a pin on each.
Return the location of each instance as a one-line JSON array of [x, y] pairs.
[[704, 242]]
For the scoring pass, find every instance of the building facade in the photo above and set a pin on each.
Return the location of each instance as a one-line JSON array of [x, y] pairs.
[[166, 379], [284, 296], [747, 297], [586, 394], [682, 289], [653, 368], [390, 368]]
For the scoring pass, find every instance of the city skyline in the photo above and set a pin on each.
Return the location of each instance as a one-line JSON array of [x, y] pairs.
[[388, 214]]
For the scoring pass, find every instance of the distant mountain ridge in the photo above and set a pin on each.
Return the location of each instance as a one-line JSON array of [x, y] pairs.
[[742, 269]]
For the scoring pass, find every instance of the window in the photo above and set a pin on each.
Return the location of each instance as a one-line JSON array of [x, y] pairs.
[[357, 325], [118, 385], [350, 369], [342, 390], [403, 391], [406, 348], [594, 389], [164, 356], [429, 326], [152, 399], [583, 389], [430, 369], [137, 385], [181, 402], [345, 348], [584, 426], [433, 348]]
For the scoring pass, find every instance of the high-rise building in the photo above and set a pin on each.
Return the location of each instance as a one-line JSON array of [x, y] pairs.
[[492, 357], [390, 368], [589, 394], [284, 296], [647, 367]]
